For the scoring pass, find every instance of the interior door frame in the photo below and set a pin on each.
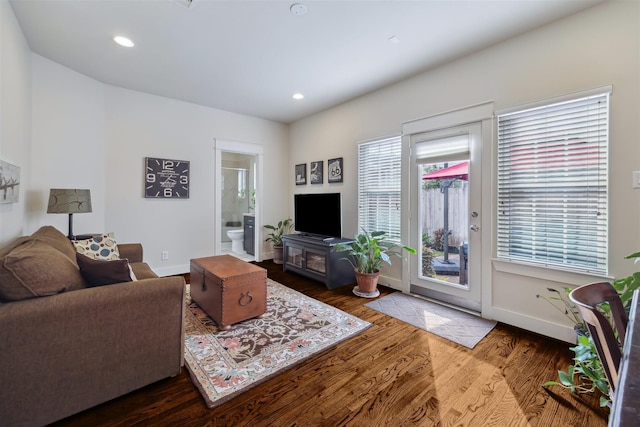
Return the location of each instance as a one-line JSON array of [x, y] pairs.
[[482, 114], [251, 149]]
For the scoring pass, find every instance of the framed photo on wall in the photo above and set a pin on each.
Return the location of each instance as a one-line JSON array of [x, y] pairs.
[[9, 182], [335, 170], [316, 172], [301, 174]]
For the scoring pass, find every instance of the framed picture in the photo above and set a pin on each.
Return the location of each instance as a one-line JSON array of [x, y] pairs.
[[301, 174], [316, 172], [334, 170], [166, 179], [9, 182]]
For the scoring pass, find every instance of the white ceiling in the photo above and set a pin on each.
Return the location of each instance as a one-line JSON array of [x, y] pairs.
[[249, 57]]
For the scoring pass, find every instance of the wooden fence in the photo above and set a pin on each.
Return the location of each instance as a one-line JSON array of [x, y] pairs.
[[433, 213]]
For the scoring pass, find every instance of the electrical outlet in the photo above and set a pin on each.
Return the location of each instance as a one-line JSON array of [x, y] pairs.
[[165, 255]]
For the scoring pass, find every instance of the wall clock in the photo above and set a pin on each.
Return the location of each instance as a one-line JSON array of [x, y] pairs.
[[166, 179]]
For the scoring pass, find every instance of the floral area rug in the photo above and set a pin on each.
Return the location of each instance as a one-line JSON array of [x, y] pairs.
[[223, 364]]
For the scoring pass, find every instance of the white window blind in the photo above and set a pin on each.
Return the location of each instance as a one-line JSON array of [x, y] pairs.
[[442, 148], [552, 184], [379, 167]]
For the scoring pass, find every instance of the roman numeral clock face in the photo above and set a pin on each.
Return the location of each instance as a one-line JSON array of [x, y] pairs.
[[166, 179]]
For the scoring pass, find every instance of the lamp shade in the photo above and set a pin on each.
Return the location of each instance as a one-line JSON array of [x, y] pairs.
[[69, 201]]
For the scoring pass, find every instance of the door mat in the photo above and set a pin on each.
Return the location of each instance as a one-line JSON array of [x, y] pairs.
[[454, 325], [295, 327]]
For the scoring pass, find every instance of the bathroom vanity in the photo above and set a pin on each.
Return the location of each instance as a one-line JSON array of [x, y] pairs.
[[249, 234]]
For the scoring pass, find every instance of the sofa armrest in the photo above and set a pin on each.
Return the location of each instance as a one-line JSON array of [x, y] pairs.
[[71, 351], [130, 251]]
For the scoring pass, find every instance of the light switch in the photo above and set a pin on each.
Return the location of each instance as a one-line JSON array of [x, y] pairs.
[[636, 179]]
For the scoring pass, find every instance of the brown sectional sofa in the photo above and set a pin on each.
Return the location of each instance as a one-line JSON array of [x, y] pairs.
[[65, 347]]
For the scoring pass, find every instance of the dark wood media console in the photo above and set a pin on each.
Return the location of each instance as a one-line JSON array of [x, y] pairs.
[[314, 257]]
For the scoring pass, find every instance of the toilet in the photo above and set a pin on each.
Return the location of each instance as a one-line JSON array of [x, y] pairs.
[[237, 237]]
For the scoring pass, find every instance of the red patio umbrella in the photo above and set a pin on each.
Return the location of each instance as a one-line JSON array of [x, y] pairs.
[[459, 171]]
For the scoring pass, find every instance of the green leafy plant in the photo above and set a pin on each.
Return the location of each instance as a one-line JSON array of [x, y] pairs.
[[627, 285], [251, 195], [283, 227], [368, 251], [587, 375], [562, 303], [426, 239]]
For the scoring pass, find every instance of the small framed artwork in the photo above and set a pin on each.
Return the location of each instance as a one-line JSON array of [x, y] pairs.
[[334, 170], [9, 182], [316, 172], [301, 174]]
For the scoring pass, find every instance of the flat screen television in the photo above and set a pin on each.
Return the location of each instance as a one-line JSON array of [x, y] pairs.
[[318, 214]]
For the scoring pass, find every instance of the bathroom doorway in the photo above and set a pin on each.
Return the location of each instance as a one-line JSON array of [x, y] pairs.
[[237, 178]]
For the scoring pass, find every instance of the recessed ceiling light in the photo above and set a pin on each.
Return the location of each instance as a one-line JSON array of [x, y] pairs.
[[298, 9], [123, 41], [298, 96]]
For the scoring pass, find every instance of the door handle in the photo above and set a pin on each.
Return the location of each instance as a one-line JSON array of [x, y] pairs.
[[474, 227]]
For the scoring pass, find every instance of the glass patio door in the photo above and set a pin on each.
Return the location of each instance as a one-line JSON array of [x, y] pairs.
[[445, 215]]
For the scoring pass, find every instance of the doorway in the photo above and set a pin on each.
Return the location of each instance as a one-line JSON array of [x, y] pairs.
[[444, 155], [447, 206], [238, 198], [237, 205]]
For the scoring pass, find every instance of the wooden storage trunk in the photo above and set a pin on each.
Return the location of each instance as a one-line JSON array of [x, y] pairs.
[[228, 289]]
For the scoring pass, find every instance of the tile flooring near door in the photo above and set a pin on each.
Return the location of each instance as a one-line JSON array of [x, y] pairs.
[[226, 249]]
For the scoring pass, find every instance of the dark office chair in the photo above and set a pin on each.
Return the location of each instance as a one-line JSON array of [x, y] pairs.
[[587, 298]]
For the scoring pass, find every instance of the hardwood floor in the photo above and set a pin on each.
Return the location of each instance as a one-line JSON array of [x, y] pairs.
[[392, 374]]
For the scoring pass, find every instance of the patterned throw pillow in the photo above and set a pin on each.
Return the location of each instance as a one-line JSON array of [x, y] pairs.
[[99, 247]]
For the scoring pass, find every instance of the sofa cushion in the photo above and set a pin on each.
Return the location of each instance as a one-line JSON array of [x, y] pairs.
[[102, 247], [99, 272], [11, 246], [36, 269], [57, 240]]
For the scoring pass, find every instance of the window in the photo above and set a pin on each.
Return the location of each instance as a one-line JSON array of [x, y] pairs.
[[552, 184], [379, 190]]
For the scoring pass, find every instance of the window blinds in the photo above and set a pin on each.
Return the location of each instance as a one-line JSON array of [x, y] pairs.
[[379, 191], [442, 149], [552, 184]]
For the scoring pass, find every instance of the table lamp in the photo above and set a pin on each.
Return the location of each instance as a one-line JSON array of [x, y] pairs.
[[69, 201]]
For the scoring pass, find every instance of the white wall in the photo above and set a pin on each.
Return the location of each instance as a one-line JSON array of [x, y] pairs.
[[68, 144], [15, 117], [598, 47], [140, 125]]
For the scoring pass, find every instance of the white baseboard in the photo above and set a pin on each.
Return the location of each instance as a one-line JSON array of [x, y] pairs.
[[390, 282], [172, 270], [533, 324]]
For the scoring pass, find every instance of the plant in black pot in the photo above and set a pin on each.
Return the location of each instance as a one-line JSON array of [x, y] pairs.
[[366, 253], [283, 227]]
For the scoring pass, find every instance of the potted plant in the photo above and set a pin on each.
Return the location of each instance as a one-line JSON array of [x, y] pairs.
[[587, 375], [284, 226], [366, 253]]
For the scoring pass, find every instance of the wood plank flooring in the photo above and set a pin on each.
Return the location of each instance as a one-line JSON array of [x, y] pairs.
[[393, 374]]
